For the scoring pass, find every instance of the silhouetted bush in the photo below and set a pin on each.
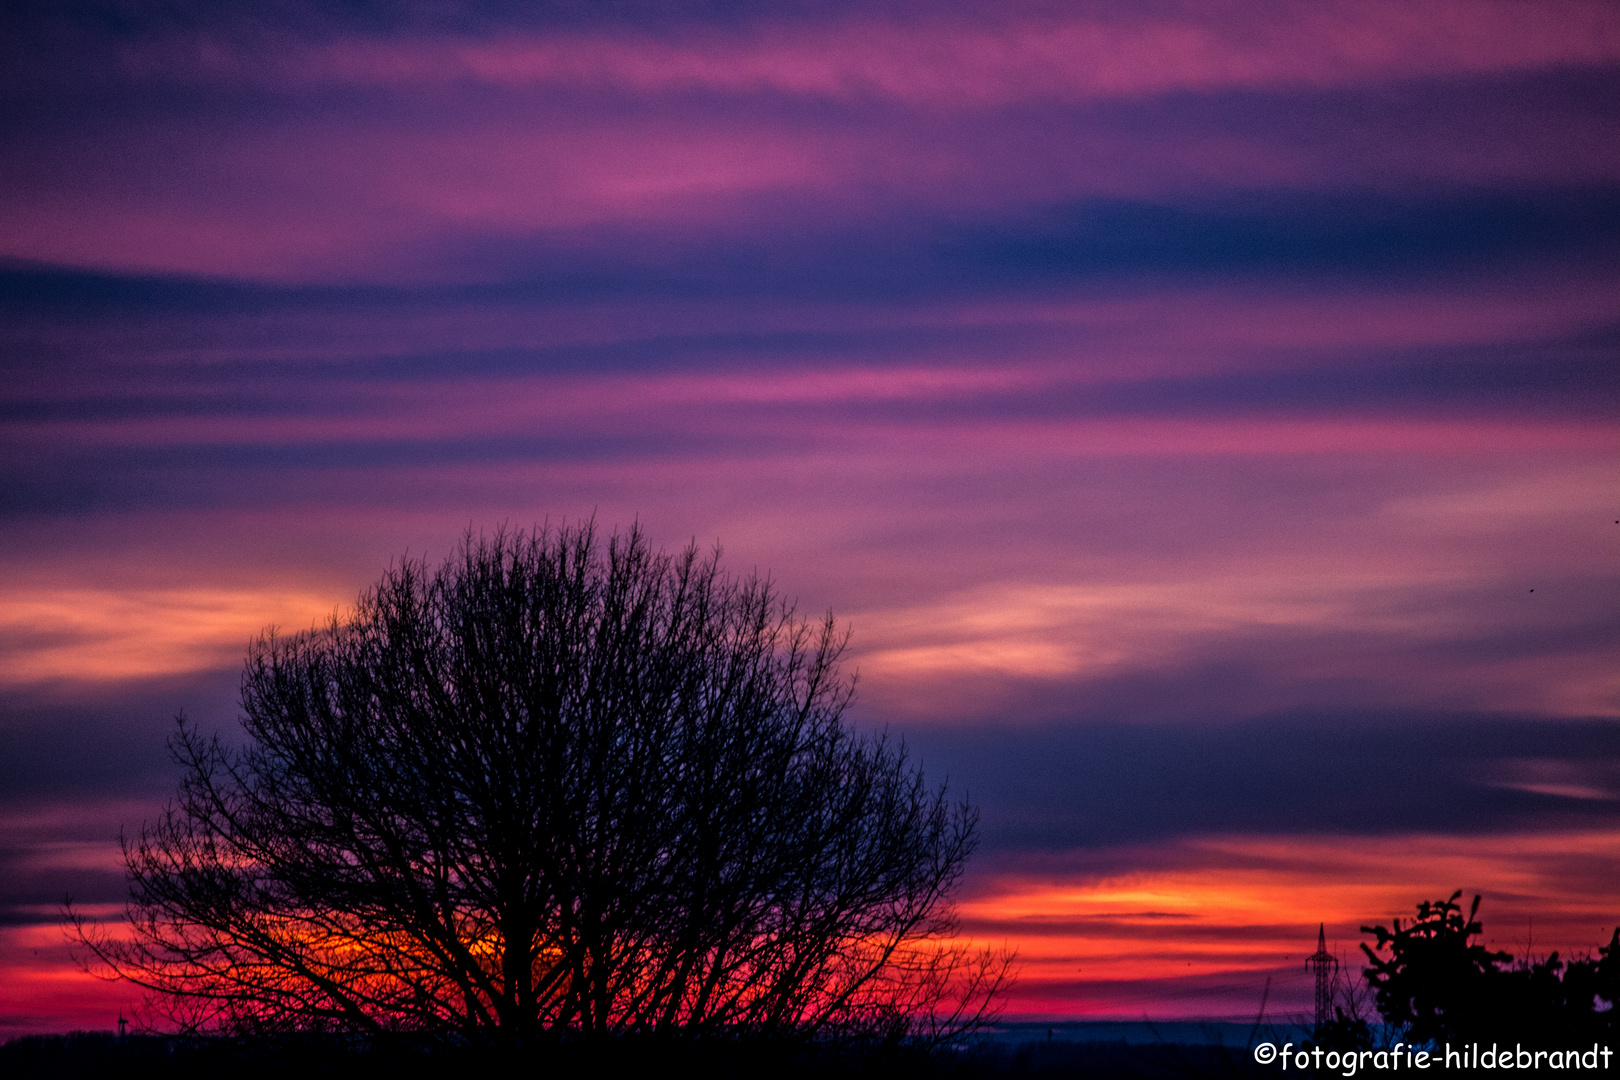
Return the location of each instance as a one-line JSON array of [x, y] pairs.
[[1434, 981], [1344, 1032]]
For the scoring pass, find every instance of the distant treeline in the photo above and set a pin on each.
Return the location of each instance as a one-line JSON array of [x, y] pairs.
[[98, 1055]]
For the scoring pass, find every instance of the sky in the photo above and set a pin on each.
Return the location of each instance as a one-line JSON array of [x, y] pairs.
[[1206, 417]]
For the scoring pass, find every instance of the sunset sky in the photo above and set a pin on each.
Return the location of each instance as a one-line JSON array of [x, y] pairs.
[[1206, 416]]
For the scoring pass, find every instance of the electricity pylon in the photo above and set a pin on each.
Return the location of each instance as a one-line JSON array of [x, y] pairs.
[[1324, 964]]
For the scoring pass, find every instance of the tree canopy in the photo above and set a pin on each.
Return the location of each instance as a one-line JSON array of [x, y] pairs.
[[553, 784], [1435, 982]]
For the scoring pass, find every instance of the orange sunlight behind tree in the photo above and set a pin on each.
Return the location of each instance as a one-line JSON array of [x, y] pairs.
[[557, 784]]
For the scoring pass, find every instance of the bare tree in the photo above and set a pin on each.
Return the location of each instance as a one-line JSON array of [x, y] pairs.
[[554, 785]]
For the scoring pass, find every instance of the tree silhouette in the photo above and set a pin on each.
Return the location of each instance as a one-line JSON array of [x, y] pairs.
[[1439, 985], [554, 785], [1434, 981]]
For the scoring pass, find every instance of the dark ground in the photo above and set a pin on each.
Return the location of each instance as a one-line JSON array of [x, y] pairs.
[[86, 1055], [97, 1055], [1002, 1053]]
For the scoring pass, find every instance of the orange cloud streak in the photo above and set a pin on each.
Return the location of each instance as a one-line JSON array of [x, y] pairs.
[[94, 635], [1231, 910]]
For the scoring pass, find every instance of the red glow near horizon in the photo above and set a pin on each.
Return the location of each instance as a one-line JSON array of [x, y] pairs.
[[1195, 936], [1199, 933]]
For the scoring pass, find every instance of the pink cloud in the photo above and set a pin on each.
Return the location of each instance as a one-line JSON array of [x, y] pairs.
[[451, 146], [941, 60]]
